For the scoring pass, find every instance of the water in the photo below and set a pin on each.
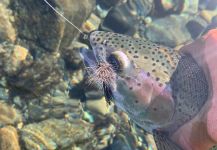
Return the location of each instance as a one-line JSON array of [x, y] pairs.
[[108, 75]]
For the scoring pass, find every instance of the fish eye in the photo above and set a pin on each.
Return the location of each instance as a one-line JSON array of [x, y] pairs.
[[119, 61]]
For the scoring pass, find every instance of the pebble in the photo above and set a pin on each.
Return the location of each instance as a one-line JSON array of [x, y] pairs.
[[169, 34], [9, 115], [98, 106], [9, 138], [7, 29]]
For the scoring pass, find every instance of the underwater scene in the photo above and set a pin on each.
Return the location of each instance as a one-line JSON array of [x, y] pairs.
[[108, 74]]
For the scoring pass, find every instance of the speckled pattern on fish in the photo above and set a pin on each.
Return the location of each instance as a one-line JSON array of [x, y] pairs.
[[155, 85]]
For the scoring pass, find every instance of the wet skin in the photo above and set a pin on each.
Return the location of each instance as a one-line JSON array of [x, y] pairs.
[[201, 132]]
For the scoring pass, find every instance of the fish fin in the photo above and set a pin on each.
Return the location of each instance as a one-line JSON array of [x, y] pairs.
[[107, 93], [163, 142]]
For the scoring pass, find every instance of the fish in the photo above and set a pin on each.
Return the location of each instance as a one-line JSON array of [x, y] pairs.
[[153, 84], [159, 88]]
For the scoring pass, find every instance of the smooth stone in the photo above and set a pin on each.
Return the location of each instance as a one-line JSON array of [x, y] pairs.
[[55, 134], [9, 138], [98, 106], [72, 57], [7, 29], [39, 26], [208, 15], [54, 107], [176, 7], [196, 26], [125, 18], [9, 115], [169, 34]]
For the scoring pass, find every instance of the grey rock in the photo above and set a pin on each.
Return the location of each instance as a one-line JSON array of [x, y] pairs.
[[196, 26], [165, 7], [71, 55], [38, 25], [126, 17], [54, 107], [56, 134], [39, 77], [169, 31]]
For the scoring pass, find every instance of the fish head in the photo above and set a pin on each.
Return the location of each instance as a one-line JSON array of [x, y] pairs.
[[140, 72]]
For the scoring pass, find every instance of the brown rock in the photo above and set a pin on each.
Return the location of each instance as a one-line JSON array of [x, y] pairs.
[[39, 26], [9, 115], [208, 15], [7, 30], [9, 139], [55, 134]]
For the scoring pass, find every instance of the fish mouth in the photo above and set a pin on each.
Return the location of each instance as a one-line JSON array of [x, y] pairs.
[[91, 64], [108, 93]]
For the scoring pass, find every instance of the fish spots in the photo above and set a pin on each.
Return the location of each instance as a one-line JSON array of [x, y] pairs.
[[160, 84], [150, 57], [157, 79], [127, 78], [165, 72]]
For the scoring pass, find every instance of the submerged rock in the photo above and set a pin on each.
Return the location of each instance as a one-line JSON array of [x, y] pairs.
[[177, 6], [98, 106], [39, 26], [9, 115], [12, 59], [126, 17], [39, 77], [208, 4], [54, 107], [55, 134], [196, 26], [72, 57], [208, 15], [7, 29], [108, 4], [169, 31], [9, 139]]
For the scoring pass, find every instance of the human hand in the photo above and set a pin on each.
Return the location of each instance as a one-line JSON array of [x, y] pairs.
[[201, 132]]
